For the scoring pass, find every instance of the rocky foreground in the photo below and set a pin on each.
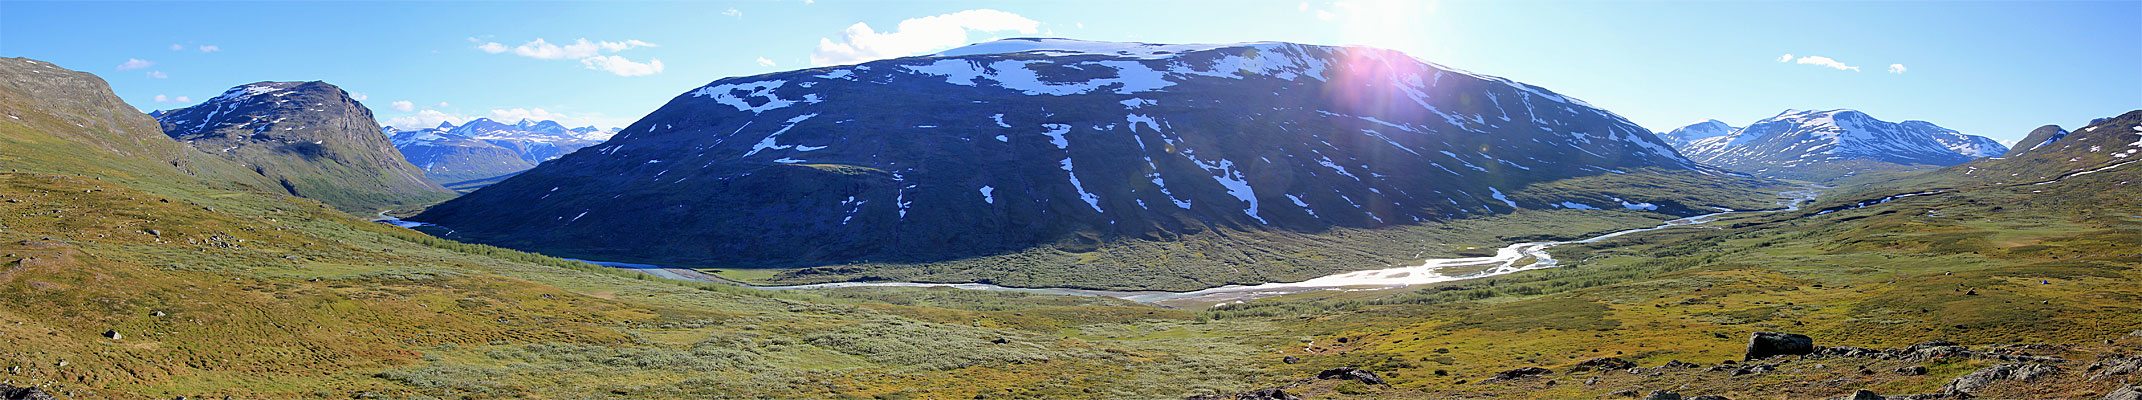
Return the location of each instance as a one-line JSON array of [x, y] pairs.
[[1786, 365]]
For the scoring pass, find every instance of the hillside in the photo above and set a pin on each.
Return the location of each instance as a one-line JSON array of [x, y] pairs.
[[312, 139], [1199, 164], [125, 279], [1826, 145], [1943, 294]]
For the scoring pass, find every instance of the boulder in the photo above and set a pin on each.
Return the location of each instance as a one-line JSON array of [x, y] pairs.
[[1912, 370], [1662, 395], [1355, 374], [1603, 364], [2125, 392], [1267, 394], [1984, 377], [2115, 366], [1769, 344], [8, 392], [1291, 359], [1678, 364], [112, 333], [1519, 373], [1862, 394], [1709, 397]]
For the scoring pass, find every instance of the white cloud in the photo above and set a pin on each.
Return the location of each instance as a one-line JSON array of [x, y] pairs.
[[1896, 68], [1302, 7], [589, 53], [763, 62], [621, 66], [425, 119], [167, 99], [916, 36], [441, 105], [1326, 15], [210, 48], [1785, 58], [511, 115], [158, 75], [581, 48], [178, 47], [1824, 62], [134, 64], [360, 96], [403, 106], [733, 13]]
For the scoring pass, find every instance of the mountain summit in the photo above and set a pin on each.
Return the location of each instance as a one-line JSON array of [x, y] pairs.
[[309, 136], [1822, 145], [1011, 145], [1682, 136]]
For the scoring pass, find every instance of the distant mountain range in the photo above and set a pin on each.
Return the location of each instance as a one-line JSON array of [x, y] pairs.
[[1824, 145], [1012, 145], [482, 149], [311, 138]]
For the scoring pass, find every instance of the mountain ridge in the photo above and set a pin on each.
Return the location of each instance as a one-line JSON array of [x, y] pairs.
[[1829, 144], [312, 138], [1060, 148]]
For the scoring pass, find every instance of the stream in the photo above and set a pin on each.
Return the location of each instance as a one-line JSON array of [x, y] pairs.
[[1505, 261]]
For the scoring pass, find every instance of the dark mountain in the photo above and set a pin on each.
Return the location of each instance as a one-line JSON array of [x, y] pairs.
[[1680, 137], [2037, 137], [1824, 145], [1008, 146], [312, 138], [483, 149]]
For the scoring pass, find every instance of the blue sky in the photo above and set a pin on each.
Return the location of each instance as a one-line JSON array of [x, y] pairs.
[[1990, 68]]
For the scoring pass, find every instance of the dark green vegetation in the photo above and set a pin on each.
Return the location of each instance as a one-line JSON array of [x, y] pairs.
[[936, 168], [311, 139], [1212, 259]]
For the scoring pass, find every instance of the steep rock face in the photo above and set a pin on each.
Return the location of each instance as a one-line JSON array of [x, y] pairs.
[[1682, 136], [2038, 137], [1020, 143], [1822, 145], [312, 138], [75, 123], [482, 149]]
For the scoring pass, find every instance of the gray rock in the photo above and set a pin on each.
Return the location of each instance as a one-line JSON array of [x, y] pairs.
[[1355, 374], [1291, 359], [1984, 377], [2115, 366], [113, 334], [2128, 392], [1519, 373], [1662, 395], [1769, 344], [1709, 397], [1603, 364], [1862, 394], [8, 392]]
